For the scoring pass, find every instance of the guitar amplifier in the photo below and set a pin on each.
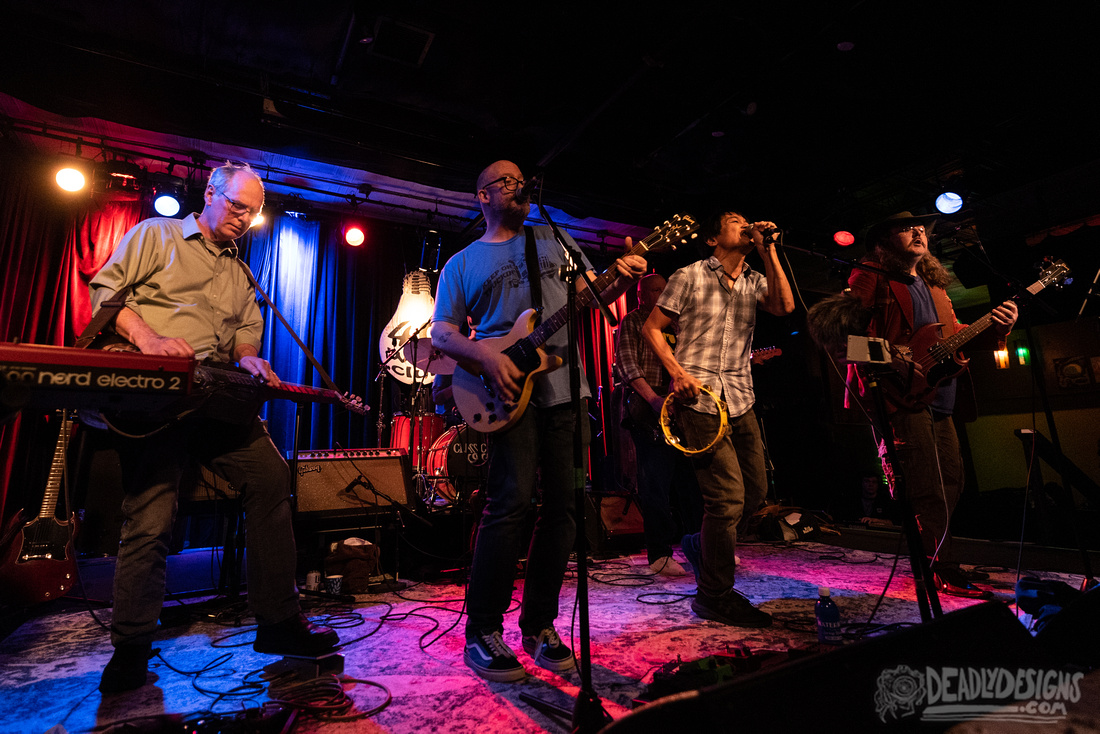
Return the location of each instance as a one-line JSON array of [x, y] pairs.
[[353, 482]]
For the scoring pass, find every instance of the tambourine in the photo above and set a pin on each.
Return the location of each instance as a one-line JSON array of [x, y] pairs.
[[670, 423]]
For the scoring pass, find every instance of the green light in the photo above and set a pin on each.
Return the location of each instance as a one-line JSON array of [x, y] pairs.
[[1023, 354]]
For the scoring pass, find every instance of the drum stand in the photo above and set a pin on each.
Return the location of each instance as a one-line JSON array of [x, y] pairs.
[[419, 443]]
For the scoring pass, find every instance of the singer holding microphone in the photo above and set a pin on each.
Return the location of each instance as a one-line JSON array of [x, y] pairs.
[[714, 302]]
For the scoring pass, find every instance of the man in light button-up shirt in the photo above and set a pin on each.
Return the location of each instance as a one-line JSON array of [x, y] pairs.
[[714, 301]]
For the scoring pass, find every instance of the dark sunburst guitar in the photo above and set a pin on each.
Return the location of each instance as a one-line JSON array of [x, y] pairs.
[[37, 561], [474, 397]]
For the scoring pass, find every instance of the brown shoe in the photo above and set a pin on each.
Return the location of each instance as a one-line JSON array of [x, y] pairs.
[[951, 582]]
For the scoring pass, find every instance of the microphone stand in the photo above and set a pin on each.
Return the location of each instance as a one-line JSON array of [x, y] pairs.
[[588, 714], [928, 601]]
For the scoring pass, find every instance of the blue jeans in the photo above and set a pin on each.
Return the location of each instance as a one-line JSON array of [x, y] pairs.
[[540, 445], [245, 456], [733, 481]]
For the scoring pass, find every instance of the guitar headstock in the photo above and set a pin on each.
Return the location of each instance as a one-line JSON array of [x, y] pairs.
[[675, 231], [760, 356], [1054, 273]]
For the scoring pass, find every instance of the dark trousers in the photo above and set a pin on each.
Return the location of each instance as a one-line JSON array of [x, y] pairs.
[[660, 469], [539, 446], [928, 448], [733, 482], [243, 455]]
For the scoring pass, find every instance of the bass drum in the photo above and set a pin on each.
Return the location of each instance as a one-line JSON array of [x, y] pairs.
[[460, 458]]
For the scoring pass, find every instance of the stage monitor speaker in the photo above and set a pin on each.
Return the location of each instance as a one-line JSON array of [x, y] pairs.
[[353, 482], [866, 686]]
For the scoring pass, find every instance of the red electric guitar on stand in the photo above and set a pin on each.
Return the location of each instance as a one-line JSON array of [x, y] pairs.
[[37, 560]]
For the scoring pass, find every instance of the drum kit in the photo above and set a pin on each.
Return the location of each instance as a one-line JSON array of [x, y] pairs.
[[450, 462]]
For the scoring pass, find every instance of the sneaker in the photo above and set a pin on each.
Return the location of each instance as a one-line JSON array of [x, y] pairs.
[[296, 637], [549, 652], [127, 668], [492, 659], [731, 608], [693, 552], [667, 566]]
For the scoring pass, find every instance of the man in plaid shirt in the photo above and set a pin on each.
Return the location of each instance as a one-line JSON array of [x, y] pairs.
[[714, 302]]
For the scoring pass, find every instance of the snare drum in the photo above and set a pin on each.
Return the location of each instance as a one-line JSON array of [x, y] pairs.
[[461, 458], [427, 430]]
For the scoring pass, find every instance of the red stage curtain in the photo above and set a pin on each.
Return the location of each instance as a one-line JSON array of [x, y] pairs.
[[51, 244]]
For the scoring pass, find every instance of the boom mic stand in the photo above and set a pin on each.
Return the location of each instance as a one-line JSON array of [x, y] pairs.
[[588, 715]]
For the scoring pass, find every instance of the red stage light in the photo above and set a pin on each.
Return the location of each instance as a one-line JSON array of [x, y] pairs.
[[354, 236], [843, 238]]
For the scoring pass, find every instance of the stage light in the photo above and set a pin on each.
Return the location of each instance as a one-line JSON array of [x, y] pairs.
[[70, 179], [257, 220], [1023, 354], [844, 238], [353, 235], [1001, 358], [169, 193], [166, 205], [948, 202]]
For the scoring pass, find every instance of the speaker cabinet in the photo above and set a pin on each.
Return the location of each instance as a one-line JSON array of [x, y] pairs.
[[352, 482]]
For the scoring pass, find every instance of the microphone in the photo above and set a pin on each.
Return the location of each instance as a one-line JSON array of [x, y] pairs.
[[766, 232], [523, 193]]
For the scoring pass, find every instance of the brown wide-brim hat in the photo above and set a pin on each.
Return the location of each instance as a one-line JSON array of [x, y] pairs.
[[876, 230]]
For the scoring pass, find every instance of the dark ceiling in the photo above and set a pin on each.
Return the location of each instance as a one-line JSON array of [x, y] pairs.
[[633, 111]]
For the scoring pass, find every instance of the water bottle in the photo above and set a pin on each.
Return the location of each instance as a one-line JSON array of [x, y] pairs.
[[828, 618]]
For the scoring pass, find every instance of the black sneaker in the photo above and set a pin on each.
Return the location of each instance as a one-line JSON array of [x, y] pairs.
[[730, 608], [127, 668], [492, 659], [296, 637], [693, 552], [549, 651]]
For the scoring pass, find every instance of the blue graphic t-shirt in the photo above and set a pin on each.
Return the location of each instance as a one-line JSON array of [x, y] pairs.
[[487, 282]]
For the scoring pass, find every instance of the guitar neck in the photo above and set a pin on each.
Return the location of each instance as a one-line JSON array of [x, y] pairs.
[[550, 325], [956, 341], [57, 469]]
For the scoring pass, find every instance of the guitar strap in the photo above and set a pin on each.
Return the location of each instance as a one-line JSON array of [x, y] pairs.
[[534, 274], [104, 317]]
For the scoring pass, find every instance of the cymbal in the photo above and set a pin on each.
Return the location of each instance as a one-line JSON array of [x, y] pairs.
[[428, 358]]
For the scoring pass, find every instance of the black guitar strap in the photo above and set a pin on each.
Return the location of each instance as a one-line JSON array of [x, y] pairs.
[[534, 274], [104, 317]]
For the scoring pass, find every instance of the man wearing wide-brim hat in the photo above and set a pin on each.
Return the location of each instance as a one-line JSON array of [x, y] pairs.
[[924, 433]]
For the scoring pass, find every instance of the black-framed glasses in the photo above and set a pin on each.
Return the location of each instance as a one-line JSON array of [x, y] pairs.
[[238, 208], [507, 183]]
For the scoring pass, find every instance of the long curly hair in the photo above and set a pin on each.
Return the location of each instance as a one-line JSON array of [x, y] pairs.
[[930, 269]]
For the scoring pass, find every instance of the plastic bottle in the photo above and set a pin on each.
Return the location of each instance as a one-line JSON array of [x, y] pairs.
[[828, 618]]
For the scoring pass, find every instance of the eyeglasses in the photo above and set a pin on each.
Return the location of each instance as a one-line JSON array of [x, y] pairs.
[[919, 228], [238, 208], [507, 183]]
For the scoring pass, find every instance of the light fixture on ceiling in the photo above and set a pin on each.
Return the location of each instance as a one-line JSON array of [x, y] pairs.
[[70, 178], [120, 179], [354, 234], [844, 238], [169, 193], [949, 202]]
